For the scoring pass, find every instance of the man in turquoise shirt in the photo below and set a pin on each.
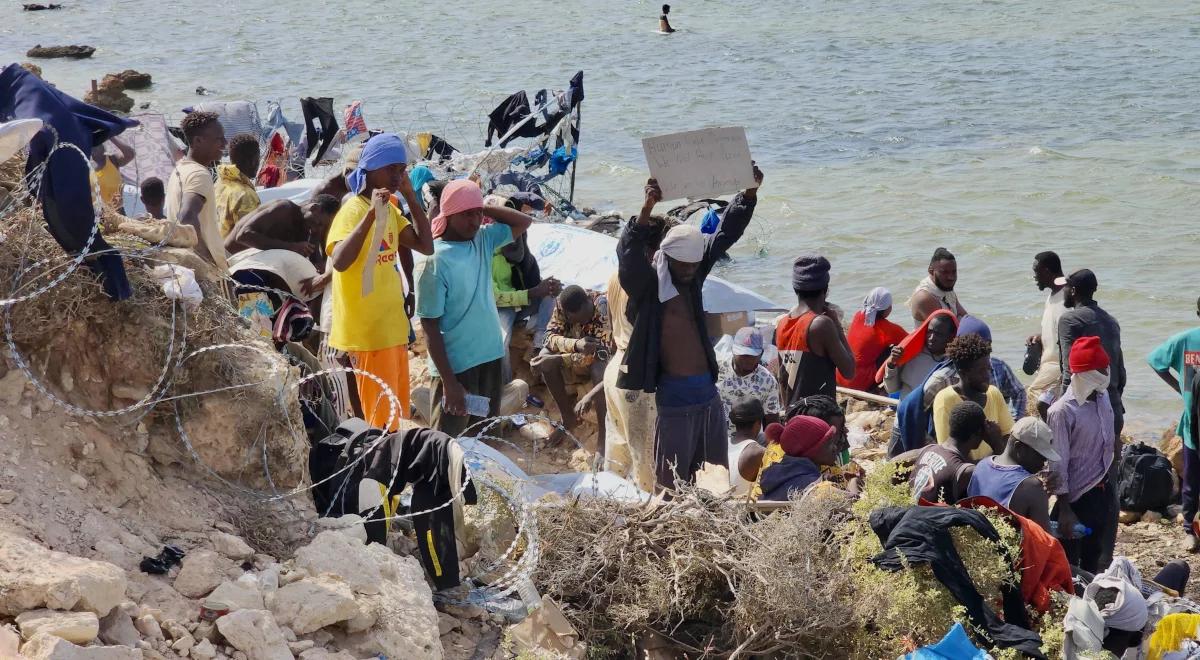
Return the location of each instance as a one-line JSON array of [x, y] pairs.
[[456, 305], [1181, 354]]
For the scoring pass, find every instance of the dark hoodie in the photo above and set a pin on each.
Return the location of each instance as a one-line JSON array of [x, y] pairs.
[[791, 474]]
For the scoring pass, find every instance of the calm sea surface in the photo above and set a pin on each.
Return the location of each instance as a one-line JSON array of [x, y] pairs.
[[996, 129]]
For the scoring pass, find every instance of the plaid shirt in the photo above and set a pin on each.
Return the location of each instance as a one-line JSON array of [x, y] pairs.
[[1014, 392], [561, 336]]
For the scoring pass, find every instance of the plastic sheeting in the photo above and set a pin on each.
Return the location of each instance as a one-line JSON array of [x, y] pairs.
[[586, 258]]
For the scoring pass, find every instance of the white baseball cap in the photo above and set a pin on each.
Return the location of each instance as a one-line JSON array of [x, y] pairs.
[[1035, 433]]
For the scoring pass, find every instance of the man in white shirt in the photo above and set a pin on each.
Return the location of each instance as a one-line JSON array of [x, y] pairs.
[[1046, 269]]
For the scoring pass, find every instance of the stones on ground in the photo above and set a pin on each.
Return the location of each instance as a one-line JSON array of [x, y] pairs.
[[313, 603], [202, 571], [183, 645], [237, 596], [77, 627], [148, 626], [49, 647], [406, 623], [255, 633], [73, 52], [10, 641], [117, 628], [337, 553], [34, 577], [7, 496], [231, 546], [78, 481], [300, 646], [204, 651]]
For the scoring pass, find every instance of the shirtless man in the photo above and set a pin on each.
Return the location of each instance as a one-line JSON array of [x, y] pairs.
[[936, 291], [669, 351], [664, 23], [284, 225]]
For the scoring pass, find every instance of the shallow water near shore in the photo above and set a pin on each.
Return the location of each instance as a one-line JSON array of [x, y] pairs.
[[885, 129]]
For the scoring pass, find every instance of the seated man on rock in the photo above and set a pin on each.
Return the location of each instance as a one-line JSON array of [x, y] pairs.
[[578, 346]]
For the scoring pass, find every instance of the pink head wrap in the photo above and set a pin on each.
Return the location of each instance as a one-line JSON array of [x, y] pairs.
[[458, 196]]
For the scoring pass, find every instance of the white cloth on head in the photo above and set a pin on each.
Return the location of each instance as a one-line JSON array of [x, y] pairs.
[[877, 301], [682, 243], [1083, 384]]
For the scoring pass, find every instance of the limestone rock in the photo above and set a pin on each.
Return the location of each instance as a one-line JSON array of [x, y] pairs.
[[407, 624], [313, 603], [202, 571], [34, 577], [72, 52], [238, 596], [183, 645], [116, 628], [78, 627], [7, 496], [254, 633], [49, 647], [204, 651], [337, 553], [350, 525], [148, 626], [232, 546], [300, 646], [131, 79], [322, 654]]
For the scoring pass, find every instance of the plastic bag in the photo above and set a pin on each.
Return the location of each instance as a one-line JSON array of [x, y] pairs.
[[179, 283]]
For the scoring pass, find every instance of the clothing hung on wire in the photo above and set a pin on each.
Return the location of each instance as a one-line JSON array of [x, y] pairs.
[[515, 109], [320, 125], [921, 535], [235, 117], [65, 192]]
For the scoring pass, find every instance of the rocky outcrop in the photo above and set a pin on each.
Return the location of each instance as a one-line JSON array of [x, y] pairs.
[[34, 577], [77, 627], [48, 647], [110, 95], [40, 7], [313, 603], [342, 555], [255, 633], [203, 571], [237, 596], [72, 52], [130, 79]]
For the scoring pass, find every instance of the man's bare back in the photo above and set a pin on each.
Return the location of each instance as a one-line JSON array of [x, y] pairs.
[[281, 221], [682, 350]]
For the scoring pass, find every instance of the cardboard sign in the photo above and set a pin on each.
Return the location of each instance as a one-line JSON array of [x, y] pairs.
[[704, 163]]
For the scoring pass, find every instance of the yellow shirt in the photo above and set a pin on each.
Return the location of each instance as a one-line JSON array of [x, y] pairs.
[[109, 180], [376, 321], [236, 197], [996, 411]]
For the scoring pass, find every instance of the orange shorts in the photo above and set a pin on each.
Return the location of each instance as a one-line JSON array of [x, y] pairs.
[[391, 366]]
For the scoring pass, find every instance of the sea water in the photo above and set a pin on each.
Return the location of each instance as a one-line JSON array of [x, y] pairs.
[[885, 129]]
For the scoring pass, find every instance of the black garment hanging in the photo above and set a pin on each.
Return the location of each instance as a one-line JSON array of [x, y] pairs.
[[504, 116], [65, 192], [439, 147], [320, 125], [921, 535]]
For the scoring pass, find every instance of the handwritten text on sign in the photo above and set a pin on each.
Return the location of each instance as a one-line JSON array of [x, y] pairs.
[[703, 163]]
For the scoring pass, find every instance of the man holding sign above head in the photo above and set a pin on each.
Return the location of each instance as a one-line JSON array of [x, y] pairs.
[[669, 351]]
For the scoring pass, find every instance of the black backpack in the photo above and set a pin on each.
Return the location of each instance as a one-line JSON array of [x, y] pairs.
[[1145, 480], [332, 495]]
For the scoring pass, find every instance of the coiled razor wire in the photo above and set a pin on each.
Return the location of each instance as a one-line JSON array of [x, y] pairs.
[[514, 496]]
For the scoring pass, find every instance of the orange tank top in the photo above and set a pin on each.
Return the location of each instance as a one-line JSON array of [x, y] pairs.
[[805, 373]]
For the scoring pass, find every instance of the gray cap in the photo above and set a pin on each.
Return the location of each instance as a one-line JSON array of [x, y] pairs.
[[1034, 433]]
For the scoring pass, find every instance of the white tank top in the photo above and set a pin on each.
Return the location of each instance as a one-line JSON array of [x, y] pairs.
[[741, 487]]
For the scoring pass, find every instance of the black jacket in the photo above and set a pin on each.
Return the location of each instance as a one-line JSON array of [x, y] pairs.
[[921, 535], [640, 281]]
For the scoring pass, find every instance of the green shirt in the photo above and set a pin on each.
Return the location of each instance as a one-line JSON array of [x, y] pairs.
[[506, 294], [1181, 354]]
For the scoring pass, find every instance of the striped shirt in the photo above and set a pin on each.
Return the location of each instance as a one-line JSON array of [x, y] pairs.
[[1083, 436]]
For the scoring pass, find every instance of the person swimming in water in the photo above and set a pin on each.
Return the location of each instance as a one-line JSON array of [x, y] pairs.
[[664, 24]]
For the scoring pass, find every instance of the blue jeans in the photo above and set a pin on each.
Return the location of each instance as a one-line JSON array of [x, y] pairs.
[[536, 314]]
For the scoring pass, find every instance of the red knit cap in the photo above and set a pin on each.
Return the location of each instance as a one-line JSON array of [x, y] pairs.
[[1087, 355], [802, 436]]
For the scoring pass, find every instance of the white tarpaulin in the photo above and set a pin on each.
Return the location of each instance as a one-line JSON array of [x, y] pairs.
[[586, 258], [704, 163], [299, 191]]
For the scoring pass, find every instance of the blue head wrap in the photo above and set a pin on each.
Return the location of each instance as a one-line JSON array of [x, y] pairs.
[[380, 151], [973, 326], [419, 176]]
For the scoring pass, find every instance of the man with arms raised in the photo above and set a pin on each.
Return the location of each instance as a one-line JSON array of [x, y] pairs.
[[669, 350]]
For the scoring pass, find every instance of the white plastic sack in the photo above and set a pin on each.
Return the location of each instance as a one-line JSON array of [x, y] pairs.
[[179, 283]]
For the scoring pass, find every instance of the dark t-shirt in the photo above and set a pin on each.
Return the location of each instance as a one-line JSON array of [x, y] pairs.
[[935, 474]]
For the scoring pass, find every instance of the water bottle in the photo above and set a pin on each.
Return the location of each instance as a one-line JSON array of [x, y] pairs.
[[1081, 530]]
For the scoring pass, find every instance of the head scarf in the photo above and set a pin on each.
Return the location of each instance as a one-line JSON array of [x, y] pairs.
[[459, 195], [378, 152], [802, 436], [1087, 358], [419, 176], [878, 300], [810, 272], [683, 243], [971, 325], [914, 343]]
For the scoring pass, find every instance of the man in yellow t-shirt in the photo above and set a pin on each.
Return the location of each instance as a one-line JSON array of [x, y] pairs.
[[369, 322], [236, 196], [971, 357]]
